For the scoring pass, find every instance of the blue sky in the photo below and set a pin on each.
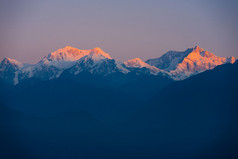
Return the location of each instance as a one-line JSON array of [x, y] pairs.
[[125, 29]]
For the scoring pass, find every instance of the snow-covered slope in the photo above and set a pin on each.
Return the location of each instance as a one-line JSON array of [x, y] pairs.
[[8, 61], [138, 63], [181, 65], [9, 70], [97, 63]]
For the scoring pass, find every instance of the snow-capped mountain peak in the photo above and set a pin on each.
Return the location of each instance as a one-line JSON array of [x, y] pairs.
[[197, 49], [69, 53], [68, 56], [200, 52], [95, 56], [9, 70], [190, 62], [97, 52], [138, 63], [7, 61]]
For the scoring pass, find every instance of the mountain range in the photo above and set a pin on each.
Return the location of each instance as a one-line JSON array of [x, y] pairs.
[[173, 64], [64, 118], [85, 104]]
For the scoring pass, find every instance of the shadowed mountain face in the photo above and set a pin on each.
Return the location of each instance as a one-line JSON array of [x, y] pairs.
[[194, 118], [118, 116], [110, 97], [73, 116]]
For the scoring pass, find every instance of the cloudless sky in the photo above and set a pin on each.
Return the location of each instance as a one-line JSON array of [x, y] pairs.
[[125, 29]]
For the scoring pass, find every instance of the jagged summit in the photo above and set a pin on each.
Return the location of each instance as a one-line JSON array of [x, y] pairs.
[[197, 48], [69, 53], [9, 69], [192, 61], [202, 52], [11, 61]]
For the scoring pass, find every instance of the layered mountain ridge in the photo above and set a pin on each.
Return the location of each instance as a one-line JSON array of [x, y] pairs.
[[173, 64], [64, 118]]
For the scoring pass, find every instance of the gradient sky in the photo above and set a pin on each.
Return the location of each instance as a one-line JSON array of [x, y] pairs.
[[125, 29]]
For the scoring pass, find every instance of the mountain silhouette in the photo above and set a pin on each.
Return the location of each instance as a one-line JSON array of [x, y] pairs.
[[193, 118]]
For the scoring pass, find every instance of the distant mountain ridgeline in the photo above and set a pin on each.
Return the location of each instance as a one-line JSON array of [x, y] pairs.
[[173, 64]]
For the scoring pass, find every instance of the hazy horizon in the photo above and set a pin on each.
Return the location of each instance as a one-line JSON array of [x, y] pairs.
[[124, 29]]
